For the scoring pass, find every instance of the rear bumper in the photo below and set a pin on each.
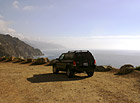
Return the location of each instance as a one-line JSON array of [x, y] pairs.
[[86, 68]]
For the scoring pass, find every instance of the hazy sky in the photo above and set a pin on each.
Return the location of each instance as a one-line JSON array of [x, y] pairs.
[[83, 24]]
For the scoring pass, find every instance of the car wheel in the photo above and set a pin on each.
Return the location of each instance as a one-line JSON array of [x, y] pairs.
[[90, 74], [70, 73], [55, 71]]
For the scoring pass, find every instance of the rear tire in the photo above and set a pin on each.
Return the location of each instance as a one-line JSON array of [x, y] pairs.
[[55, 71], [90, 74], [69, 73]]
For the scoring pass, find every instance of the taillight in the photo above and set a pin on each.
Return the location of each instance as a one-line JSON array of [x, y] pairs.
[[74, 63], [94, 61]]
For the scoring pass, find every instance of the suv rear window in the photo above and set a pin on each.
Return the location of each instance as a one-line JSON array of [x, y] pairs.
[[84, 56]]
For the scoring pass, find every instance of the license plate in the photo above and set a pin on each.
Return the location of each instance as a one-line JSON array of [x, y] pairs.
[[85, 64]]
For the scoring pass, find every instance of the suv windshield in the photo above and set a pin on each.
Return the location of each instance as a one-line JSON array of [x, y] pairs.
[[61, 57]]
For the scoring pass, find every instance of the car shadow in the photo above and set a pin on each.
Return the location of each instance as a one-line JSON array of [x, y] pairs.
[[50, 77]]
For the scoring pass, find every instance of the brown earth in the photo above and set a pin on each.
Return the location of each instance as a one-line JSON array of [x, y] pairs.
[[21, 83]]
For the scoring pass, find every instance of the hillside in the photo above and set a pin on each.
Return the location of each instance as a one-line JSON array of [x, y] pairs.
[[12, 46]]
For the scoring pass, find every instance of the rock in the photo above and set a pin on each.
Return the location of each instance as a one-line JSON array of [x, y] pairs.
[[41, 60], [47, 60], [11, 58], [16, 60], [2, 58], [103, 68], [29, 60], [125, 69]]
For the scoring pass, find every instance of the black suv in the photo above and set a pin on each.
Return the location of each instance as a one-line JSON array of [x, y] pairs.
[[75, 62]]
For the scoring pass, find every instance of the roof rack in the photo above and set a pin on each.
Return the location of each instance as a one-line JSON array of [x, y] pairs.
[[77, 51]]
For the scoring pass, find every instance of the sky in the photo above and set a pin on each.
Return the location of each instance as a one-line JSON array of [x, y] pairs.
[[75, 24]]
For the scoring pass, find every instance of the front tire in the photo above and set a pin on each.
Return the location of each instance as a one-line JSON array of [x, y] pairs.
[[55, 71], [70, 73]]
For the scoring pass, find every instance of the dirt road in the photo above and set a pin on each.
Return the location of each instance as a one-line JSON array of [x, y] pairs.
[[21, 83]]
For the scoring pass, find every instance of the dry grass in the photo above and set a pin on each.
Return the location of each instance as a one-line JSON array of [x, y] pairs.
[[21, 83]]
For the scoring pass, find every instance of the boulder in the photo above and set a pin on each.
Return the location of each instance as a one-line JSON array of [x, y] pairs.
[[125, 69], [11, 58], [47, 60], [103, 68], [16, 60], [29, 60], [2, 58], [41, 60]]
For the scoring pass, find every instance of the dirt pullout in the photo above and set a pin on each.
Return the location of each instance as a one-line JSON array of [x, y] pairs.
[[21, 83]]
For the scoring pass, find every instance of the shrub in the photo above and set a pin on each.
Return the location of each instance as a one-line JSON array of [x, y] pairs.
[[137, 68]]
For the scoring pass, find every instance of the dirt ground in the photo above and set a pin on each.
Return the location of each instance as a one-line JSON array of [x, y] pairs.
[[21, 83]]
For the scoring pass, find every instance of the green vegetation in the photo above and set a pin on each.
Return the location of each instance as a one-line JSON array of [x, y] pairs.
[[137, 68]]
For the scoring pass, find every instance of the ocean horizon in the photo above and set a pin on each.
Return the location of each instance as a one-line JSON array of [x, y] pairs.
[[115, 58]]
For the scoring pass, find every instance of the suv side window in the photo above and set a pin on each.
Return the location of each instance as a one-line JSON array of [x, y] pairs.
[[66, 56], [69, 56], [61, 57]]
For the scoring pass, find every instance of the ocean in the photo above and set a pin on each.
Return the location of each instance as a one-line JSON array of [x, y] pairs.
[[115, 58]]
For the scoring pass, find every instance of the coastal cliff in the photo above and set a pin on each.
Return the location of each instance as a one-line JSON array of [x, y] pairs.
[[12, 46]]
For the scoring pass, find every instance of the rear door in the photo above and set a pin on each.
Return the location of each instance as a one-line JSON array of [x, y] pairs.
[[84, 59]]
